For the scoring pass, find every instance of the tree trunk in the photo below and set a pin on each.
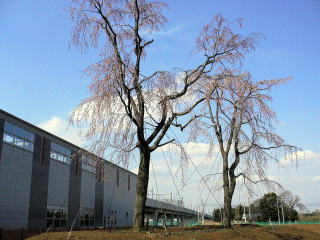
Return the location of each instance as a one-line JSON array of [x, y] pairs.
[[226, 191], [227, 208], [141, 189]]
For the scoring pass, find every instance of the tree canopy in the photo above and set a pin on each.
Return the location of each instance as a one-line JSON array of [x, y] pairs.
[[129, 109]]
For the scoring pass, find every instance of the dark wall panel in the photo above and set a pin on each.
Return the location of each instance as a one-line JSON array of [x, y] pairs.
[[74, 191], [1, 135], [39, 183], [99, 197]]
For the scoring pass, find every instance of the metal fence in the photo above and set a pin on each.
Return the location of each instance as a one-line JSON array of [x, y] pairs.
[[166, 198]]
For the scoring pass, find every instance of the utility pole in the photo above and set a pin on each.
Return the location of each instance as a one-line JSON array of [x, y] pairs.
[[282, 210], [198, 215], [202, 212], [278, 210], [250, 219], [244, 212]]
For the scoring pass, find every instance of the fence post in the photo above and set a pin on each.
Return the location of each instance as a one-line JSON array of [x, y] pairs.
[[22, 237]]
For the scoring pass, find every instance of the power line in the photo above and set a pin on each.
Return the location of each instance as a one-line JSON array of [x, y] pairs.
[[154, 176], [171, 174], [197, 170]]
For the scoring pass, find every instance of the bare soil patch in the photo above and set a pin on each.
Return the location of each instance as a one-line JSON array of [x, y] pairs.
[[310, 227], [192, 233]]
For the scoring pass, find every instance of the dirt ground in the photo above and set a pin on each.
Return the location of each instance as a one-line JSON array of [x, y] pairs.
[[310, 227], [299, 232]]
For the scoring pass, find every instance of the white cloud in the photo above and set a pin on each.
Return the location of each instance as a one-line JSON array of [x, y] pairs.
[[159, 168], [192, 148], [316, 179], [164, 33], [135, 170], [60, 128], [302, 156], [273, 178]]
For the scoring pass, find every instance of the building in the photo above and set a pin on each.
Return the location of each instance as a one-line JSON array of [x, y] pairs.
[[46, 182]]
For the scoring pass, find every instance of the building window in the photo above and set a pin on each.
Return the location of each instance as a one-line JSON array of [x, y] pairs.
[[60, 153], [117, 177], [108, 221], [87, 217], [88, 164], [128, 182], [18, 137], [57, 217]]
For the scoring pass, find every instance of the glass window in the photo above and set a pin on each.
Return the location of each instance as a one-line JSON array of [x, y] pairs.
[[28, 146], [8, 138], [88, 164], [60, 153], [8, 127], [53, 155], [18, 137], [30, 136], [20, 132], [18, 142], [61, 158], [68, 160], [86, 217], [57, 217], [59, 149]]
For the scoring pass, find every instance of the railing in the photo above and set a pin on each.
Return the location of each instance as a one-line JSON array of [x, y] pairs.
[[166, 198]]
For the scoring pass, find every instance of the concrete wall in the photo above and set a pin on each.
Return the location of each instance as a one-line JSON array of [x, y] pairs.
[[87, 196], [118, 200], [58, 189], [15, 180]]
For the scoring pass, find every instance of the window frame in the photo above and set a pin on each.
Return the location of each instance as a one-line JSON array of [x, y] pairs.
[[86, 164], [18, 135], [60, 156], [60, 215], [84, 212]]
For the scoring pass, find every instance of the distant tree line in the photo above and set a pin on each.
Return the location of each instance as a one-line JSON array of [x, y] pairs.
[[271, 207], [310, 217], [274, 207]]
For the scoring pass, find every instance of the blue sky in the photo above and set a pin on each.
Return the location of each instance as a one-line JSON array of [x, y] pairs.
[[42, 80]]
